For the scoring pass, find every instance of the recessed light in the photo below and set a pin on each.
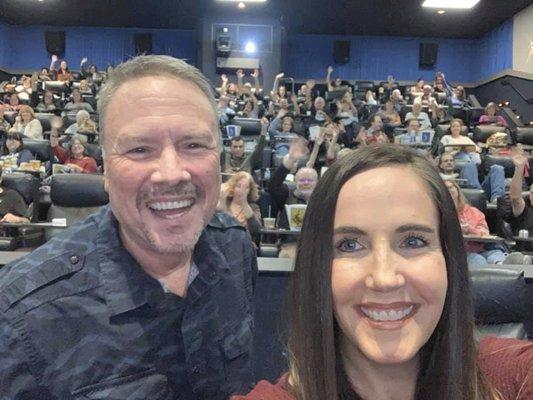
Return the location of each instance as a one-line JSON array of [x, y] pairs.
[[440, 12], [464, 4], [241, 5]]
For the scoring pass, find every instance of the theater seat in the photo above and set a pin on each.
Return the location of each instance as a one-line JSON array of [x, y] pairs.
[[483, 132], [75, 196], [489, 160], [249, 126], [45, 120], [41, 149], [525, 135], [502, 301]]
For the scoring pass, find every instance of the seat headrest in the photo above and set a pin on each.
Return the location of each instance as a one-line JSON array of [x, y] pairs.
[[500, 294], [506, 162], [525, 135], [78, 190], [476, 198], [249, 126], [483, 132], [41, 149], [26, 185]]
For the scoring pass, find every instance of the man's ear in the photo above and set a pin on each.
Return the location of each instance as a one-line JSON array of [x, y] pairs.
[[106, 181]]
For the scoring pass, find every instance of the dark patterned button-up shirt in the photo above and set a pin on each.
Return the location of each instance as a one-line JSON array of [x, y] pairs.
[[80, 319]]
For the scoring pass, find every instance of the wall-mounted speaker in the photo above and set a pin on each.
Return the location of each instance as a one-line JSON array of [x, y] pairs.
[[428, 54], [142, 43], [55, 42], [341, 51]]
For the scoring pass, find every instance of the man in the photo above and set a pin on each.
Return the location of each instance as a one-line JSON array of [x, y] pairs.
[[151, 296], [236, 160], [522, 209], [493, 185], [413, 134]]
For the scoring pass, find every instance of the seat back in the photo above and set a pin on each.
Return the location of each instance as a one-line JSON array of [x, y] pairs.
[[249, 126], [525, 135], [489, 160], [502, 301], [483, 132], [41, 149], [476, 198], [75, 196], [45, 120]]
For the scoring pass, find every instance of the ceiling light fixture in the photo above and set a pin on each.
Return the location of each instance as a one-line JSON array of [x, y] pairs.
[[241, 1], [241, 5], [461, 4], [440, 12]]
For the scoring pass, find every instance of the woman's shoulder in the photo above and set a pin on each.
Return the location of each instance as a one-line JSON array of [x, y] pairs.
[[508, 363], [265, 390]]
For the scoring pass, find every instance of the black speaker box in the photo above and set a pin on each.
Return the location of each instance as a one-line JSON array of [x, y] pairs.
[[428, 54], [341, 51], [143, 43], [55, 42]]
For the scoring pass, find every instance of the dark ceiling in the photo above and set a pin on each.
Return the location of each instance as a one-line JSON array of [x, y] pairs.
[[344, 17]]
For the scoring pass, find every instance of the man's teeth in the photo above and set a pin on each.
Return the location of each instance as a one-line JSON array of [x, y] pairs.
[[170, 205], [392, 315]]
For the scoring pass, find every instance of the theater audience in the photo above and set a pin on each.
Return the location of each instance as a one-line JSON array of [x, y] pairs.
[[84, 124], [77, 103], [13, 209], [24, 90], [48, 104], [390, 116], [4, 125], [473, 223], [337, 82], [238, 197], [420, 115], [370, 100], [418, 88], [466, 149], [225, 112], [427, 96], [251, 107], [13, 148], [490, 117], [14, 103], [522, 217], [245, 89], [236, 160], [75, 157], [384, 310], [45, 75], [91, 73], [278, 91], [27, 124]]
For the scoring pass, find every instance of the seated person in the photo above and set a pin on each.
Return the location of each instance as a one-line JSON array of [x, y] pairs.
[[27, 124], [522, 217], [251, 107], [4, 125], [281, 132], [346, 110], [238, 198], [473, 223], [236, 160], [13, 209], [85, 88], [76, 103], [278, 91], [418, 89], [414, 134], [62, 74], [13, 148], [458, 97], [493, 185], [390, 116], [48, 103], [490, 117], [439, 115], [336, 84], [397, 99], [224, 110], [24, 90], [84, 124], [14, 103], [320, 116], [381, 305], [420, 115], [75, 158], [427, 96], [370, 100], [45, 75], [462, 151]]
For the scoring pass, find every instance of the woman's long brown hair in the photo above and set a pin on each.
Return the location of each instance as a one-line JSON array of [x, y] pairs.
[[448, 367]]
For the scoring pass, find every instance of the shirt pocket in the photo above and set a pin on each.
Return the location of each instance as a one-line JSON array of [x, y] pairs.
[[139, 386]]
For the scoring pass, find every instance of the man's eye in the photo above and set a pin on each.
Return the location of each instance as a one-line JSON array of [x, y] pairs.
[[414, 242], [137, 150], [349, 245]]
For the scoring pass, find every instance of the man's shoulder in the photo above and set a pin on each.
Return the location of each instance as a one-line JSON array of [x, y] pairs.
[[228, 234], [222, 221], [49, 266]]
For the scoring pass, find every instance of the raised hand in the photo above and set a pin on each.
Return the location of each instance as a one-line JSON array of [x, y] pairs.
[[240, 73], [54, 58], [330, 69], [297, 150], [264, 125], [224, 78], [84, 60], [280, 75], [255, 74]]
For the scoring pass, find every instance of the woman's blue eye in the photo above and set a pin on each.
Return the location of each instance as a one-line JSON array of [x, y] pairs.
[[349, 245], [414, 242]]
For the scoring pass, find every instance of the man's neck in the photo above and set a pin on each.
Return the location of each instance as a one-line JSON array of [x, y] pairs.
[[171, 269]]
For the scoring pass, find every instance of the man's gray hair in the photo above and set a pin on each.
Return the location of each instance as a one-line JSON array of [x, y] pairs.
[[143, 66]]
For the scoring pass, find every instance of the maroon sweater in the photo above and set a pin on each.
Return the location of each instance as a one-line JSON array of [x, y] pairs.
[[507, 363]]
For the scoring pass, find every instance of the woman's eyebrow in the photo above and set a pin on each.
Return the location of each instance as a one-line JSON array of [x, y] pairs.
[[348, 229], [415, 227]]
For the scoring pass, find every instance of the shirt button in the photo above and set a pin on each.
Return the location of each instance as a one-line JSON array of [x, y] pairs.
[[74, 260]]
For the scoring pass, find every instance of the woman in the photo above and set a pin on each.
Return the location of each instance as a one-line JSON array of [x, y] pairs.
[[77, 103], [466, 149], [473, 222], [13, 148], [84, 124], [47, 104], [63, 73], [381, 304], [4, 125], [390, 116], [27, 124], [281, 132], [370, 100], [490, 117], [14, 103], [75, 157], [418, 88], [238, 198]]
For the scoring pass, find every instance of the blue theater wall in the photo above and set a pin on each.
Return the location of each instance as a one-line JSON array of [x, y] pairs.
[[26, 48]]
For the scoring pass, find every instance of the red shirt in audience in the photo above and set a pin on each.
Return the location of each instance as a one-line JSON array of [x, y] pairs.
[[88, 164]]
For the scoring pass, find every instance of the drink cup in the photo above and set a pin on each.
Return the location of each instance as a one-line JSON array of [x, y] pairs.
[[270, 223]]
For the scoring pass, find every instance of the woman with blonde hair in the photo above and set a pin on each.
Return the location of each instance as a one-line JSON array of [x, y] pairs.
[[27, 124], [238, 198]]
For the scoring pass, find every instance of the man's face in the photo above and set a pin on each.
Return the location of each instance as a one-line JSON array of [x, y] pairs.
[[162, 163], [319, 104], [284, 104], [377, 122], [417, 107], [306, 181], [236, 148], [414, 126], [447, 164]]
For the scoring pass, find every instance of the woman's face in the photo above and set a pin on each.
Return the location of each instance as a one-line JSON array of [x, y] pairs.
[[242, 188], [282, 91], [44, 71], [12, 144], [48, 98], [248, 107], [286, 125], [14, 100], [26, 115], [232, 88], [92, 69], [347, 97], [388, 271], [455, 128], [491, 111], [76, 96], [77, 148], [63, 65]]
